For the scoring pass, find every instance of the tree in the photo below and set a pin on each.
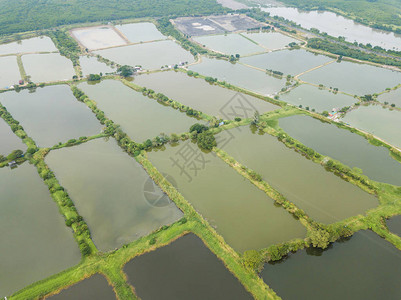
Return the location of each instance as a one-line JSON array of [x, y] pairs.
[[94, 77], [199, 128], [125, 71], [325, 113], [252, 259], [15, 154], [319, 238], [256, 117], [206, 140]]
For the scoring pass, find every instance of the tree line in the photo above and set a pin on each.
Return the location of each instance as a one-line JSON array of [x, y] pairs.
[[29, 15]]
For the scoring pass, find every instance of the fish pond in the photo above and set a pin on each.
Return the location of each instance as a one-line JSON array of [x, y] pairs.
[[132, 111], [318, 99], [394, 225], [244, 215], [364, 267], [391, 97], [141, 32], [342, 75], [48, 67], [289, 62], [9, 141], [322, 195], [202, 96], [270, 40], [237, 74], [32, 45], [111, 191], [90, 65], [95, 287], [375, 119], [229, 44], [184, 269], [150, 56], [327, 139], [35, 243], [9, 71], [51, 114], [98, 37]]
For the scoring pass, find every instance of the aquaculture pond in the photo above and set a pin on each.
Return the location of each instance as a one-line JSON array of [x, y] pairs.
[[237, 74], [35, 243], [9, 72], [343, 76], [98, 37], [48, 67], [270, 40], [391, 97], [230, 44], [318, 99], [108, 189], [90, 65], [150, 56], [328, 139], [133, 111], [184, 269], [336, 26], [37, 44], [51, 115], [375, 119], [9, 141], [394, 225], [244, 215], [202, 96], [95, 287], [363, 267], [290, 62], [141, 32], [322, 195]]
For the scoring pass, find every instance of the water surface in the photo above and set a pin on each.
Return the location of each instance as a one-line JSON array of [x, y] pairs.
[[141, 32], [229, 44], [290, 62], [336, 25], [108, 189], [319, 99], [354, 78], [244, 215], [344, 146], [366, 267], [185, 269], [322, 195], [48, 67], [95, 287], [140, 117], [375, 119], [150, 56], [239, 75], [9, 141], [202, 96], [35, 242], [51, 114], [9, 71]]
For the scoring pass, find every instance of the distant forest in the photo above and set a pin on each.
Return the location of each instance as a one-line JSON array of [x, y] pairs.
[[27, 15], [376, 13]]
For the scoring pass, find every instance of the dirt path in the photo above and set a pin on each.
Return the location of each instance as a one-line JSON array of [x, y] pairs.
[[315, 68]]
